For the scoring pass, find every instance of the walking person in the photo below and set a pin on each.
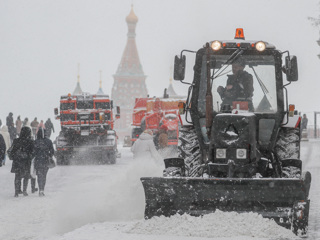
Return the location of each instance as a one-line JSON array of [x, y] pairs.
[[22, 154], [49, 127], [144, 147], [40, 125], [2, 149], [26, 123], [10, 125], [34, 125], [43, 151], [18, 125], [304, 122], [6, 137]]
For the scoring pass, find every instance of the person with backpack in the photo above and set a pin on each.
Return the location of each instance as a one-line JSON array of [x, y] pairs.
[[21, 154], [43, 151]]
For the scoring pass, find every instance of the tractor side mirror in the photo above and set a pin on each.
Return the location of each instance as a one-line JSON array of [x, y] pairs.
[[179, 68], [291, 68], [111, 104], [56, 112], [118, 112]]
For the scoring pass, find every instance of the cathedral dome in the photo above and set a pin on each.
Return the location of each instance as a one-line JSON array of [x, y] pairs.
[[132, 18]]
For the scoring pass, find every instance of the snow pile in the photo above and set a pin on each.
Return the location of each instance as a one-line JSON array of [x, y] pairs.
[[108, 197], [218, 224]]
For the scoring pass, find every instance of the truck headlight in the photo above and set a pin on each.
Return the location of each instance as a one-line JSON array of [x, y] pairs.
[[260, 46], [241, 153], [221, 153], [216, 45]]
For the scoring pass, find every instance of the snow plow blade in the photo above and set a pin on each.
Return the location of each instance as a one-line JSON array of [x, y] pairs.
[[284, 200]]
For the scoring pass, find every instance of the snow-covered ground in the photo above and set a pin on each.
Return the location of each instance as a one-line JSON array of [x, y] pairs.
[[107, 202]]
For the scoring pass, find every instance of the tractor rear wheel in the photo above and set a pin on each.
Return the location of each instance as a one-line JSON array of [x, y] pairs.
[[189, 150]]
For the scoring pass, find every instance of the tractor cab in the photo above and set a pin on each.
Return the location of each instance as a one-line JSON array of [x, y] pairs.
[[238, 82]]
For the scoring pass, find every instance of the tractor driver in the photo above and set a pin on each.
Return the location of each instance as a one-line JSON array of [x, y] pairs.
[[239, 85]]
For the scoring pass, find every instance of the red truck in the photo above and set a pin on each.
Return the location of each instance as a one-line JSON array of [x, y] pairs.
[[156, 114], [86, 128]]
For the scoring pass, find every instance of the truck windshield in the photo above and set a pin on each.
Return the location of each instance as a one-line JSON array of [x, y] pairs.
[[67, 117], [246, 83], [102, 105], [67, 105], [81, 104]]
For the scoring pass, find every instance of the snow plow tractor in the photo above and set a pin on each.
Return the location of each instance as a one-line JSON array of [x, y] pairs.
[[242, 150], [86, 129]]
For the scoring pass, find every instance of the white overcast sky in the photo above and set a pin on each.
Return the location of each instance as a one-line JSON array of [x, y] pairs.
[[42, 42]]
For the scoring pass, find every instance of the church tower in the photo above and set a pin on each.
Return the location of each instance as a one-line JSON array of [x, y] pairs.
[[100, 91], [129, 80], [78, 90]]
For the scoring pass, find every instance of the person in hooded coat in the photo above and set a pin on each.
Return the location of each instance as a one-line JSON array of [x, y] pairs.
[[6, 137], [144, 147], [43, 150], [26, 123], [22, 154]]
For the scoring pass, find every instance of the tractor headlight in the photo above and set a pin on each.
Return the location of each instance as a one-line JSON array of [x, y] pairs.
[[242, 153], [221, 153], [216, 45], [260, 46]]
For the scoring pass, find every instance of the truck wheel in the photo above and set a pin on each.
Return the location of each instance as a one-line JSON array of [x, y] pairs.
[[189, 150], [112, 158], [60, 160]]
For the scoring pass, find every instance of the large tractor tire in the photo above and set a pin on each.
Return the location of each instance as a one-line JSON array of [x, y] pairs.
[[62, 160], [288, 143], [189, 150], [288, 147]]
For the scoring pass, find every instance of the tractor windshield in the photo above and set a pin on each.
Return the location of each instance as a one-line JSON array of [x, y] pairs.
[[245, 83]]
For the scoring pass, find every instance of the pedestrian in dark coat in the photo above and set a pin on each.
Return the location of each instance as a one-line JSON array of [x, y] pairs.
[[22, 154], [9, 120], [43, 150], [2, 149], [49, 127], [11, 128]]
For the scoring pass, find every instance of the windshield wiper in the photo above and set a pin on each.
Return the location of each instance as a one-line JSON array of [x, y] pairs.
[[230, 60], [263, 87]]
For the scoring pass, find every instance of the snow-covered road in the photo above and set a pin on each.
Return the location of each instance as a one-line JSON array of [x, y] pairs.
[[310, 154], [107, 202]]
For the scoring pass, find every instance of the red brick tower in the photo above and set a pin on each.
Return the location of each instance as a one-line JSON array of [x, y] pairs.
[[129, 80]]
